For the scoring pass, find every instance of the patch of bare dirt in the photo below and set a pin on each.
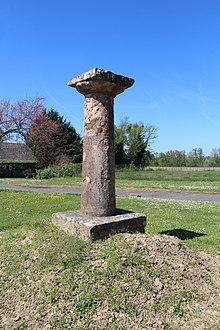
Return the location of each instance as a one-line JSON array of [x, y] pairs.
[[130, 281], [26, 240]]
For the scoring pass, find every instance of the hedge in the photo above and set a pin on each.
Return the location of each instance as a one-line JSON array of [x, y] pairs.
[[65, 170], [17, 169]]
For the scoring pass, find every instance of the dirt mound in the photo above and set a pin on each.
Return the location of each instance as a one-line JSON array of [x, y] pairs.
[[177, 289], [130, 281]]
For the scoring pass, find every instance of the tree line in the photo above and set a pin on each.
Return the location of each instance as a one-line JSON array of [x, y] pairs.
[[53, 139], [194, 158]]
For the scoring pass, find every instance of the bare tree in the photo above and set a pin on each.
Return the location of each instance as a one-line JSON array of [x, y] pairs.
[[15, 119]]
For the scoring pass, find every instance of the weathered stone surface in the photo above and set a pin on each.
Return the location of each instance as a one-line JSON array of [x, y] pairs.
[[98, 188], [98, 80], [93, 228], [98, 174]]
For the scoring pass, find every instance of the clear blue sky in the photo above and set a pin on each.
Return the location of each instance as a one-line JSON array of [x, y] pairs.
[[170, 47]]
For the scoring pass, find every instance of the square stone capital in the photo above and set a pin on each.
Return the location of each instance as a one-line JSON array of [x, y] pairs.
[[100, 81]]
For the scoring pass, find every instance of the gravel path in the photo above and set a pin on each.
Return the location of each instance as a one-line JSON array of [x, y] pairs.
[[193, 196]]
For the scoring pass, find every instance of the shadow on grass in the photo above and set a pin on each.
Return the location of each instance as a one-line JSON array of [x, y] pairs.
[[182, 234]]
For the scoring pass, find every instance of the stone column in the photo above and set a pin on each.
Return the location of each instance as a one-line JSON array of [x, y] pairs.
[[98, 217], [98, 174]]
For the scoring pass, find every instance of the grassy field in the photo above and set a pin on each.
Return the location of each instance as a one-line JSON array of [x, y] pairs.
[[52, 281], [206, 181], [26, 210], [169, 180]]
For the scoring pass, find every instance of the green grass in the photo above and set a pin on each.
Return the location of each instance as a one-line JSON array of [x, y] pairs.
[[185, 219], [169, 175], [22, 211], [208, 181], [44, 268], [75, 181], [170, 180]]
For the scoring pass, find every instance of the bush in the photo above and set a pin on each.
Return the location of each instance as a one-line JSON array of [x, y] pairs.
[[46, 173], [68, 170], [65, 170]]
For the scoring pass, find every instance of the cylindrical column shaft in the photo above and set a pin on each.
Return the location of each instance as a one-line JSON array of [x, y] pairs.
[[98, 188]]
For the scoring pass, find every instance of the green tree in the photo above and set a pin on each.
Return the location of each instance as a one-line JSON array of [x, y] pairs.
[[121, 142], [133, 142], [137, 144], [215, 157], [69, 142], [172, 158], [196, 157]]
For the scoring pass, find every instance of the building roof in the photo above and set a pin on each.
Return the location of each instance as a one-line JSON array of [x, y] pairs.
[[17, 152]]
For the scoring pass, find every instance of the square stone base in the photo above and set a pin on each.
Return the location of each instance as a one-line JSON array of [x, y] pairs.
[[93, 228]]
